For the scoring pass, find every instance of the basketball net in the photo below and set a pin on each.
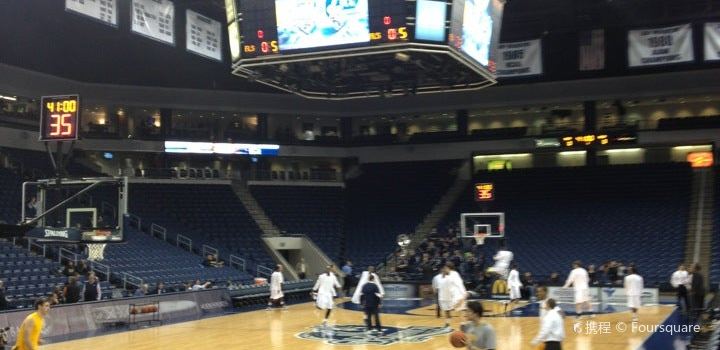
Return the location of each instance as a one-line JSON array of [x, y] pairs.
[[480, 238], [96, 251]]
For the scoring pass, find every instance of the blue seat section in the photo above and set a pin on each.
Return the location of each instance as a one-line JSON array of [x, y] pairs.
[[155, 261], [314, 211], [631, 213], [26, 275], [208, 214], [10, 196], [36, 164], [388, 199]]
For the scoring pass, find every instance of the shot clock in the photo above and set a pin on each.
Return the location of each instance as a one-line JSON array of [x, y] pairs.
[[59, 117]]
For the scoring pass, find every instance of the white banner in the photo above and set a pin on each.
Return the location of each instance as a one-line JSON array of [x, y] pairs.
[[649, 47], [154, 19], [102, 10], [712, 41], [605, 295], [519, 58], [203, 35]]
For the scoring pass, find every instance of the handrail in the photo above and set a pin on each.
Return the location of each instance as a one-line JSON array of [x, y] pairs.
[[157, 230], [132, 280], [43, 247], [64, 253], [134, 219], [184, 242], [237, 261], [206, 249], [263, 271], [101, 268]]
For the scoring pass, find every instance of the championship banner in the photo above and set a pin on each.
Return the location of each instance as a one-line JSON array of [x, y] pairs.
[[154, 19], [649, 47], [712, 41], [203, 35], [104, 11], [519, 59]]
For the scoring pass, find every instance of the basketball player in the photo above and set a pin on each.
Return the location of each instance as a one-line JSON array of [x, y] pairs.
[[276, 293], [451, 292], [460, 291], [552, 329], [514, 285], [28, 337], [324, 291], [435, 287], [502, 258], [633, 284], [580, 280], [481, 336], [680, 280], [364, 278]]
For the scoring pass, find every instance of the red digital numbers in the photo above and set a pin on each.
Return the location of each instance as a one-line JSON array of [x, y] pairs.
[[264, 47], [387, 20], [260, 34], [61, 124]]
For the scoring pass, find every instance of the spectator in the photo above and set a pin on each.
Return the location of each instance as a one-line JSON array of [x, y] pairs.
[[199, 286], [141, 291], [697, 290], [69, 269], [160, 288], [554, 279], [82, 268], [91, 289], [528, 282], [301, 268], [612, 271], [3, 300], [212, 261], [592, 274], [72, 290], [349, 278]]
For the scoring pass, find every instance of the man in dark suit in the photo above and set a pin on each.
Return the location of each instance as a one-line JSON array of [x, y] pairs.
[[371, 301], [697, 291]]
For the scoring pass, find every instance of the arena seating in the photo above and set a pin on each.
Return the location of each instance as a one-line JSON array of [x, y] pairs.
[[595, 214], [10, 196], [155, 261], [26, 275], [314, 211], [388, 199], [36, 164], [208, 214]]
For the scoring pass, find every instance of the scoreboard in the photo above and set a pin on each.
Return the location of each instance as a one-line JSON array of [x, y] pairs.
[[338, 49], [282, 27], [292, 26], [59, 117]]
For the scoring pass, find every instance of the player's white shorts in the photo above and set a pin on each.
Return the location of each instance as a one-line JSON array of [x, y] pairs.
[[276, 294], [447, 305], [514, 292], [633, 301], [582, 295], [324, 301]]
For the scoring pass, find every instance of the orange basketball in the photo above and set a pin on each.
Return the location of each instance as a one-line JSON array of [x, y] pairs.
[[145, 309], [458, 339], [133, 310], [153, 308]]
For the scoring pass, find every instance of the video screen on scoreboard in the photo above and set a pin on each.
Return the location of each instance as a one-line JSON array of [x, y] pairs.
[[430, 20], [475, 28], [271, 27], [304, 24]]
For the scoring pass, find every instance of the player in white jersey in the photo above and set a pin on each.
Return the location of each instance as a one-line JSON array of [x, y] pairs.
[[364, 279], [276, 293], [514, 284], [580, 280], [502, 258], [680, 280], [324, 291], [633, 284], [435, 287], [451, 291]]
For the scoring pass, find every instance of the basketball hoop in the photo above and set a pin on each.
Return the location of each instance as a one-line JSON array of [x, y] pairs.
[[96, 251], [480, 238]]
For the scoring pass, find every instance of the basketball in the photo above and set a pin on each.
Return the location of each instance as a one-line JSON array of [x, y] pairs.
[[133, 310], [458, 339]]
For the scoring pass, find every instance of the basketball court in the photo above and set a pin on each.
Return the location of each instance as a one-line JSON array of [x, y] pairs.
[[413, 328]]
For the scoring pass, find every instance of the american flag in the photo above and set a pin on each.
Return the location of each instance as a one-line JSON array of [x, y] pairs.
[[592, 50]]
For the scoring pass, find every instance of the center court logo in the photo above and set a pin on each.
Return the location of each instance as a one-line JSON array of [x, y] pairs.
[[355, 335]]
